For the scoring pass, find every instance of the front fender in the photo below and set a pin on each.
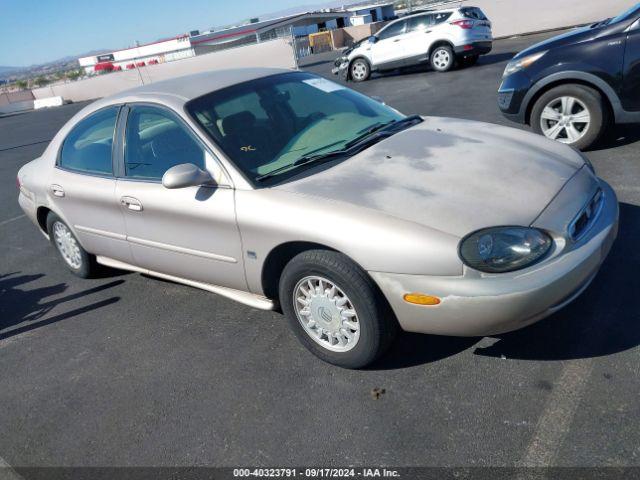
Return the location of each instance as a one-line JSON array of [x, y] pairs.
[[378, 242]]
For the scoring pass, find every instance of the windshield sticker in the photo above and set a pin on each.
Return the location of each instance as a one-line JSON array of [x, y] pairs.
[[323, 84]]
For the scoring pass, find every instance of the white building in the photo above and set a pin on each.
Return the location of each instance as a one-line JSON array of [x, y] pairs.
[[375, 12], [147, 54]]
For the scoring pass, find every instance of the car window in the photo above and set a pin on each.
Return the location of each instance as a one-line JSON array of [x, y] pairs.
[[156, 141], [473, 12], [441, 17], [421, 22], [305, 115], [392, 30], [88, 147]]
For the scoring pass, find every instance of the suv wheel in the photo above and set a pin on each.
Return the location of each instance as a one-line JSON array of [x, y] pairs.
[[360, 70], [571, 114], [442, 59], [76, 258], [335, 309]]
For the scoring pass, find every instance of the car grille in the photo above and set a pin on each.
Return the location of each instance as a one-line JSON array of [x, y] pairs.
[[587, 217]]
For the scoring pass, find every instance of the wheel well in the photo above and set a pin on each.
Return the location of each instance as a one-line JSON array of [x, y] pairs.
[[439, 43], [566, 81], [276, 261], [41, 214]]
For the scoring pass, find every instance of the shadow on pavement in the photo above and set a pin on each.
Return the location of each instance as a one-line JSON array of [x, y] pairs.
[[618, 136], [604, 320], [20, 305]]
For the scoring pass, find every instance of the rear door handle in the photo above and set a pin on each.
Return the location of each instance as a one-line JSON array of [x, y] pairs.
[[131, 203], [57, 190]]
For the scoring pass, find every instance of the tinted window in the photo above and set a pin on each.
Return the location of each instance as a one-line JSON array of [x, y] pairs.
[[88, 147], [157, 141], [473, 12], [392, 30]]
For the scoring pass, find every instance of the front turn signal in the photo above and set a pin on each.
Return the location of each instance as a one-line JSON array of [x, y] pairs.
[[421, 299]]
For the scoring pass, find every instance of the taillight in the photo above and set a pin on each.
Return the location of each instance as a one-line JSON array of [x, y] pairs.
[[18, 182], [464, 24]]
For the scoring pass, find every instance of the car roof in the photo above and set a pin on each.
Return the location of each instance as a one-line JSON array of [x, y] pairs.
[[188, 87]]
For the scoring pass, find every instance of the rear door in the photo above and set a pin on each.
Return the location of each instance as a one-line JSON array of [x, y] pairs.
[[190, 232], [389, 49], [423, 30], [82, 186], [630, 95]]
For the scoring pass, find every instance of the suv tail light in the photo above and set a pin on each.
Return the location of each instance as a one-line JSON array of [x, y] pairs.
[[18, 182], [464, 24]]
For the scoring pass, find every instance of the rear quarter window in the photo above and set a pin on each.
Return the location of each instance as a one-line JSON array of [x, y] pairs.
[[473, 12]]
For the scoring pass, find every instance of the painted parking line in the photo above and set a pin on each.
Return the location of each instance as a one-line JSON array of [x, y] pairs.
[[555, 421], [4, 222]]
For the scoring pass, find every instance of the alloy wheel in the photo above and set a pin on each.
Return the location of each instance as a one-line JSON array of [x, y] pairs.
[[326, 314], [565, 119], [359, 70], [441, 59]]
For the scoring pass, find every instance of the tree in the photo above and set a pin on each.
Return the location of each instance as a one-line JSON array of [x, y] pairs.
[[41, 81], [21, 84], [74, 74]]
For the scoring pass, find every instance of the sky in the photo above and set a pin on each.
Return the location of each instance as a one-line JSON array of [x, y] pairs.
[[34, 32]]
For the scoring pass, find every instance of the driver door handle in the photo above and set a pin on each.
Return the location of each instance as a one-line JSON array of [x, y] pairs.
[[131, 203]]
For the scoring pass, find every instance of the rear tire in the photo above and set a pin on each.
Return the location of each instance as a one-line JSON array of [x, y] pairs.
[[359, 70], [74, 257], [335, 309], [572, 114], [442, 58]]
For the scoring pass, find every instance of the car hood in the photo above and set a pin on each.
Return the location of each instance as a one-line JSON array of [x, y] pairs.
[[452, 175], [577, 35]]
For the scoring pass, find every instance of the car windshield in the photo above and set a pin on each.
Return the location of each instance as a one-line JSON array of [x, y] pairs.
[[268, 124]]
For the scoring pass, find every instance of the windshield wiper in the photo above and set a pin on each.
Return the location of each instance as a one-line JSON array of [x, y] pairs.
[[304, 160], [372, 132], [388, 127]]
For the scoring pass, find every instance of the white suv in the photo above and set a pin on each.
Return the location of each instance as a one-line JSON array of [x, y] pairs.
[[440, 37]]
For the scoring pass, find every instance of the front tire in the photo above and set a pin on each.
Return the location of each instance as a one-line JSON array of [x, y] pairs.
[[442, 58], [571, 114], [74, 257], [359, 70], [335, 309]]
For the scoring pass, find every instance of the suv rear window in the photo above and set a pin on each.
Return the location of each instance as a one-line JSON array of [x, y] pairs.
[[473, 12]]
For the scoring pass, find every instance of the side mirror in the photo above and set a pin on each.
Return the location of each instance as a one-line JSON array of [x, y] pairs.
[[186, 175], [373, 39]]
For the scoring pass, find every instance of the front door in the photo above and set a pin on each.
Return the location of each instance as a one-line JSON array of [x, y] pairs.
[[82, 186], [389, 50], [190, 232], [631, 82]]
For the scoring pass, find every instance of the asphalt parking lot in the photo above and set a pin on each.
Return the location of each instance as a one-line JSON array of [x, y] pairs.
[[131, 370]]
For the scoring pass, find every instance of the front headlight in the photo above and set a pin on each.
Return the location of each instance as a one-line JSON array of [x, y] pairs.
[[521, 63], [504, 249]]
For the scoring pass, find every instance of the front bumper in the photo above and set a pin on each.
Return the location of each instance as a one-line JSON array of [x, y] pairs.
[[479, 304], [511, 96], [341, 67]]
